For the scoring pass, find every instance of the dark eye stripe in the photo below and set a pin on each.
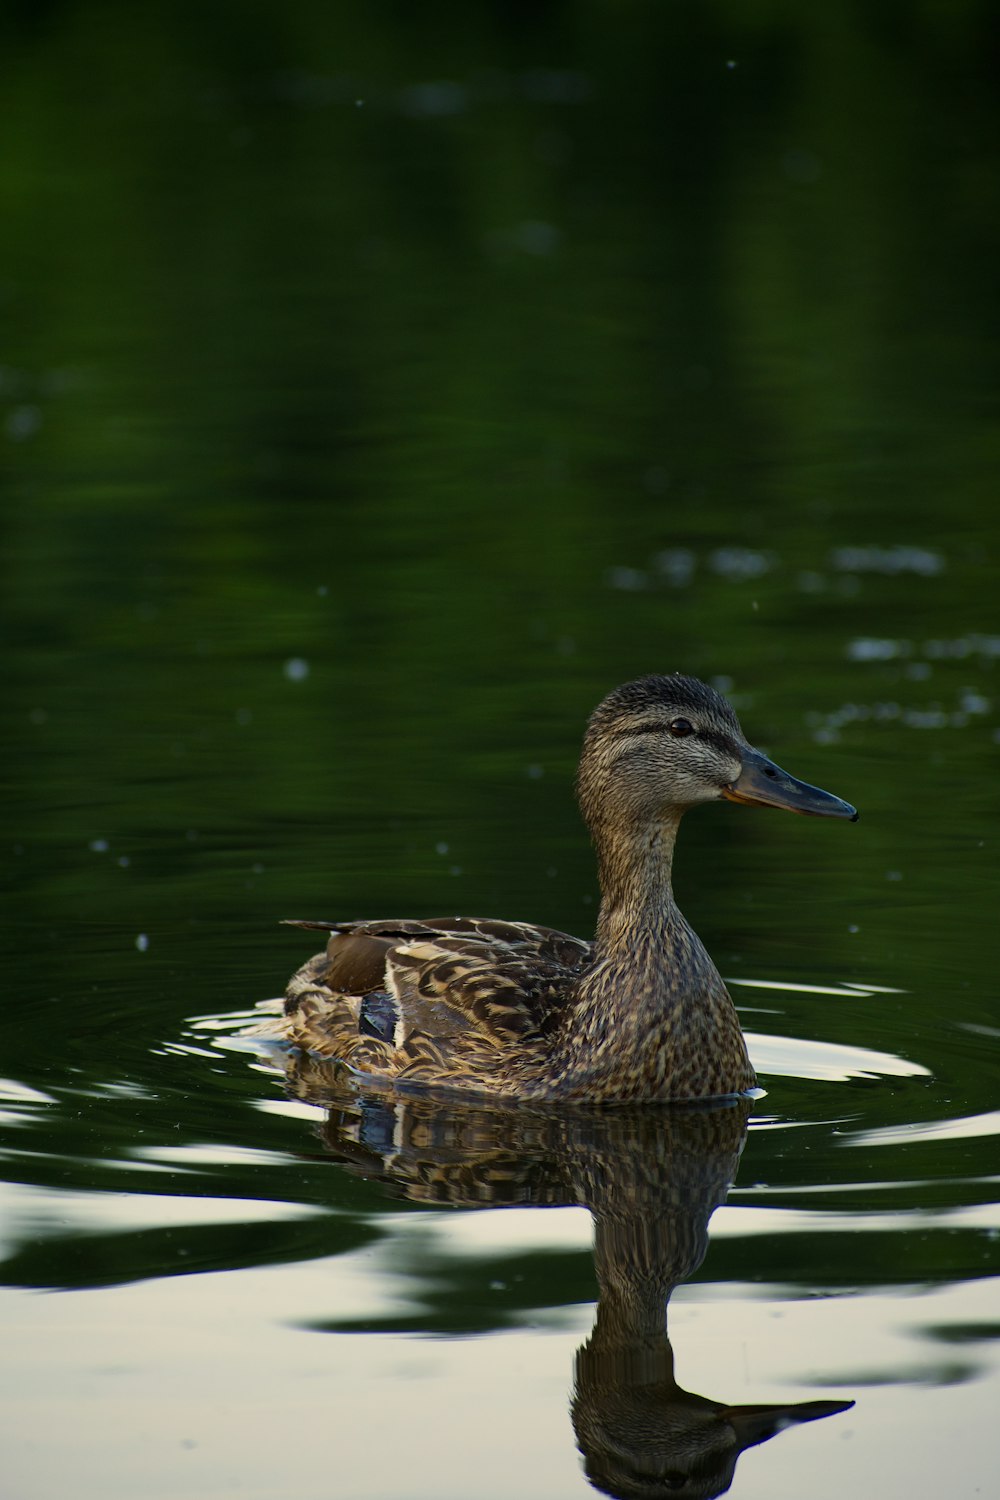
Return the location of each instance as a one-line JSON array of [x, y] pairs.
[[718, 741], [657, 726]]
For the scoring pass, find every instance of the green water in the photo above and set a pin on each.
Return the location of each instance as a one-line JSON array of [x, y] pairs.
[[378, 390]]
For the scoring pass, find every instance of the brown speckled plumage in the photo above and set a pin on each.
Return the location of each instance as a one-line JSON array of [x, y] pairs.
[[468, 1006]]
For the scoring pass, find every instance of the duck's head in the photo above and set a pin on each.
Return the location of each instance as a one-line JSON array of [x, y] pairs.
[[660, 745]]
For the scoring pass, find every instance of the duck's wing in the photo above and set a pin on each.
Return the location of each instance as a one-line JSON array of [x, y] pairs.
[[525, 936], [432, 1001]]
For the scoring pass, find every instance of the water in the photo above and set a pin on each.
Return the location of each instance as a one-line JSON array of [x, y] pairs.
[[374, 399]]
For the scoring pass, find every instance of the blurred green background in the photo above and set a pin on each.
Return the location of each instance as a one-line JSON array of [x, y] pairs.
[[382, 384]]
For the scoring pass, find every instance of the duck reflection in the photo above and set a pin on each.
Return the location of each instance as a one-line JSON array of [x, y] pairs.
[[652, 1178]]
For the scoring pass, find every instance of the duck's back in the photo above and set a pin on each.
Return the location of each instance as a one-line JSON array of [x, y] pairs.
[[457, 1003]]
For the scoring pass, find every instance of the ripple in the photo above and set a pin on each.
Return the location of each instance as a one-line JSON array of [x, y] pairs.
[[235, 1021], [848, 991], [965, 1127], [197, 1156], [828, 1062], [783, 1056], [20, 1104], [12, 1091]]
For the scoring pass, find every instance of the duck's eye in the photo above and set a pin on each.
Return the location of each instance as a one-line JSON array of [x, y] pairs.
[[680, 727]]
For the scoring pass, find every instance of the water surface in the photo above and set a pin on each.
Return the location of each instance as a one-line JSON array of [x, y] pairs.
[[374, 399]]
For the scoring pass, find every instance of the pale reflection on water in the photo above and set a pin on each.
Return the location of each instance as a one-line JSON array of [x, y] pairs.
[[189, 1414], [370, 1342]]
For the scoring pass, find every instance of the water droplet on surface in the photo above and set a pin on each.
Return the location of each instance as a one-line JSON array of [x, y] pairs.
[[535, 237], [22, 422], [739, 563], [871, 648], [802, 166], [435, 99], [628, 580], [677, 565], [656, 481]]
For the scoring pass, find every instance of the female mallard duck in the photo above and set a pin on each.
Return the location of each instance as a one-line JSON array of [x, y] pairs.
[[466, 1006]]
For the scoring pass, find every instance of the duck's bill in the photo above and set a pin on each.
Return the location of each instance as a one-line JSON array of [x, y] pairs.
[[755, 1424], [763, 784]]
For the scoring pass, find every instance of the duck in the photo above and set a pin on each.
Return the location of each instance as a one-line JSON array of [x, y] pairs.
[[471, 1007]]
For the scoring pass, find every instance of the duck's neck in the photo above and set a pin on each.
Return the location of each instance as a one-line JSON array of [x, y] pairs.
[[651, 1019], [637, 897]]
